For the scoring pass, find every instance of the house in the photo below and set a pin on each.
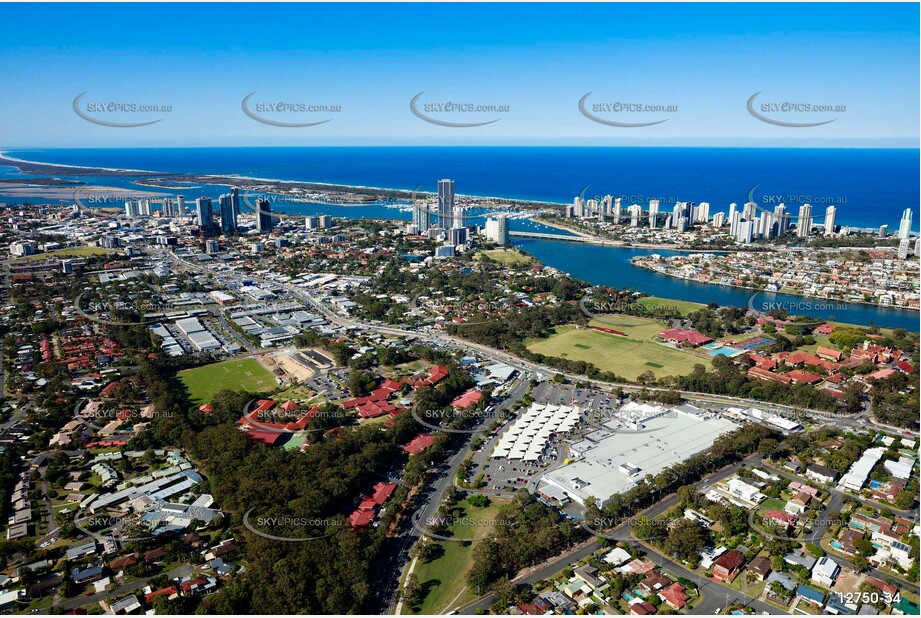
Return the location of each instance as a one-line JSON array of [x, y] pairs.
[[797, 558], [810, 595], [675, 596], [168, 592], [617, 556], [639, 607], [655, 581], [640, 567], [87, 575], [128, 605], [81, 551], [837, 606], [589, 575], [121, 563], [727, 566], [821, 474], [52, 580], [825, 572], [778, 518], [155, 556], [760, 567]]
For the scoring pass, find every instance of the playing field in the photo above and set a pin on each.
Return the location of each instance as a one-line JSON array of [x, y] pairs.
[[242, 374], [628, 357], [444, 577], [507, 256], [683, 306]]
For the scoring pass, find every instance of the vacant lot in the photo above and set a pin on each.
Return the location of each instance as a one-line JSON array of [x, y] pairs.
[[507, 256], [627, 356], [242, 374]]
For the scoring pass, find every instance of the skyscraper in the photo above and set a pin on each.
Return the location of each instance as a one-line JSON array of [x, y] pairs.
[[204, 212], [749, 211], [782, 217], [804, 223], [263, 216], [830, 213], [903, 249], [883, 231], [445, 202], [653, 213], [703, 212], [745, 231], [228, 216], [458, 219], [617, 208], [497, 230], [421, 219], [636, 211], [235, 202], [578, 206], [905, 224], [180, 206]]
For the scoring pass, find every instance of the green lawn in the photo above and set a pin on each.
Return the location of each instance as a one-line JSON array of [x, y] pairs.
[[626, 356], [684, 306], [243, 374], [507, 256], [444, 577]]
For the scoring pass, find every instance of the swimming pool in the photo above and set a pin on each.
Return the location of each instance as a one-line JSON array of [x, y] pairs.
[[725, 351], [876, 484]]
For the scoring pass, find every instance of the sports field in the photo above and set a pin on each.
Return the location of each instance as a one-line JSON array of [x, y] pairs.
[[444, 577], [242, 374], [628, 356]]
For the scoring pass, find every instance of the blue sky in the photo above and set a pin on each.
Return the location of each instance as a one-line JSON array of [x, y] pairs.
[[539, 60]]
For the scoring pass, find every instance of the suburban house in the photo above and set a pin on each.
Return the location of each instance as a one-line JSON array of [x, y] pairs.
[[727, 566]]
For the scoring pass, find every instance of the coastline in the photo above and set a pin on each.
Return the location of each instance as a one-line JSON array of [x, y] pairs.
[[38, 168]]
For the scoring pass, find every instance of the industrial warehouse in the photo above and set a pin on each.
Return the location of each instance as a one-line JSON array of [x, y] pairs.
[[641, 439]]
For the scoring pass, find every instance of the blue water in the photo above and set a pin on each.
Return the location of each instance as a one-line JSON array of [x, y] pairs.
[[877, 186], [870, 187], [611, 266]]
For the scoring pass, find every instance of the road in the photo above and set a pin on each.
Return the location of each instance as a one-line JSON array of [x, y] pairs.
[[713, 590], [436, 492], [77, 602]]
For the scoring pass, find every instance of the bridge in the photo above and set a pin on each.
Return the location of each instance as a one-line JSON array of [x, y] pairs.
[[551, 236]]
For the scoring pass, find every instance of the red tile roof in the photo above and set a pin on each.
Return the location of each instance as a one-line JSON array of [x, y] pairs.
[[383, 491], [680, 335], [468, 399], [419, 443]]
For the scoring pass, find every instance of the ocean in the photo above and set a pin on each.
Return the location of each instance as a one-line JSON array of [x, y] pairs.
[[870, 187]]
